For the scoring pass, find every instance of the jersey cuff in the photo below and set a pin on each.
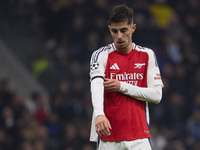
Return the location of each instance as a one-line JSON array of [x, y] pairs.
[[98, 113], [97, 77]]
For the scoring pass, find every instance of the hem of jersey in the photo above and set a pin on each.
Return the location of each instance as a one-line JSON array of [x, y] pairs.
[[126, 139]]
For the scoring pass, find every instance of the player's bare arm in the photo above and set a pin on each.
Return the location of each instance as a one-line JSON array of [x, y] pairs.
[[111, 85], [102, 125]]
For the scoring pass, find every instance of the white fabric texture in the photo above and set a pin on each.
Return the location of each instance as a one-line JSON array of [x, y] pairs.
[[97, 93], [140, 144], [152, 95]]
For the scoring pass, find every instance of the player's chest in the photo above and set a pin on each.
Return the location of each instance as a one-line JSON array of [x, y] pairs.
[[133, 63]]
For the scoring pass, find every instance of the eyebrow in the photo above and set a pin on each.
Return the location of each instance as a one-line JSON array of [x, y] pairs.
[[124, 28]]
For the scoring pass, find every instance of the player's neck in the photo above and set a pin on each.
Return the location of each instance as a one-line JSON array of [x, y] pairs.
[[126, 50]]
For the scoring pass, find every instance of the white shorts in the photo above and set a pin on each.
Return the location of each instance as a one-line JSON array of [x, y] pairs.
[[140, 144]]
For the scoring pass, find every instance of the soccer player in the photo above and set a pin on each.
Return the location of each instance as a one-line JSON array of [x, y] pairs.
[[124, 78]]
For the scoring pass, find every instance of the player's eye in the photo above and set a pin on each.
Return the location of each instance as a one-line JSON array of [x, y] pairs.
[[123, 30], [114, 31]]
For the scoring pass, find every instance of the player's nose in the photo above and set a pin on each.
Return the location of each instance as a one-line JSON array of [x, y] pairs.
[[119, 35]]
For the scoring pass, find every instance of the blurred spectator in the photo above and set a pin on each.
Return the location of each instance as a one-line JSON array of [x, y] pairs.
[[4, 140], [42, 107], [69, 138], [162, 12], [177, 112], [68, 31], [193, 125], [158, 141], [5, 93]]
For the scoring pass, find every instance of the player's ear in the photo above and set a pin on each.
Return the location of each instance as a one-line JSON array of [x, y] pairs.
[[134, 27], [109, 28]]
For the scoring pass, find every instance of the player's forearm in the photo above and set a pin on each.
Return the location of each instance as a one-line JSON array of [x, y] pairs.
[[152, 94], [97, 93]]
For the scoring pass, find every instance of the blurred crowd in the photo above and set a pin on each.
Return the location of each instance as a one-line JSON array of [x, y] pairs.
[[72, 30]]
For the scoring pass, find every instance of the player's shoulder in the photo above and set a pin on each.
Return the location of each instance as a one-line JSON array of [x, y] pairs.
[[146, 50], [143, 49], [106, 49], [103, 51]]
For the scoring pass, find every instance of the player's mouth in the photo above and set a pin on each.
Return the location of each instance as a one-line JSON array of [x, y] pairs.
[[120, 43]]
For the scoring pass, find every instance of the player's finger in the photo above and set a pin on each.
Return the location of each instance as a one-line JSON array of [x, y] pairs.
[[106, 131], [106, 83], [109, 125], [97, 130], [106, 79], [102, 129], [107, 128], [109, 87]]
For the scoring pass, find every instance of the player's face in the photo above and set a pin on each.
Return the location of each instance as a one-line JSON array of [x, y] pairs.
[[122, 35]]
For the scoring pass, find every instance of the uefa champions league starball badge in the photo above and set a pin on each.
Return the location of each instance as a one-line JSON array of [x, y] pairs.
[[94, 66]]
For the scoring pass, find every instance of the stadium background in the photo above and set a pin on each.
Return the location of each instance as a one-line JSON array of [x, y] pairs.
[[53, 41]]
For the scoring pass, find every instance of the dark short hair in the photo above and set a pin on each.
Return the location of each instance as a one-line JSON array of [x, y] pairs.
[[121, 13]]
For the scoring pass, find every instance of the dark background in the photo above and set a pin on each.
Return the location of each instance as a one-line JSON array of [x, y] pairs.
[[60, 36]]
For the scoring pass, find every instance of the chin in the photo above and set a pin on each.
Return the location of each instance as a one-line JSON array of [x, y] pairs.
[[122, 47]]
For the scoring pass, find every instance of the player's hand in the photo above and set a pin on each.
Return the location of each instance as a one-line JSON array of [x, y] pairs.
[[111, 85], [102, 125]]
